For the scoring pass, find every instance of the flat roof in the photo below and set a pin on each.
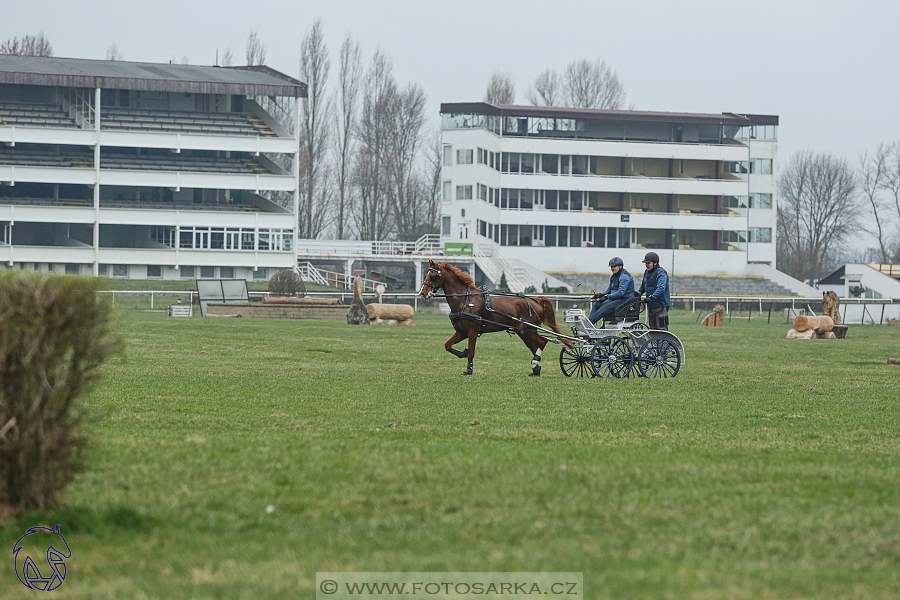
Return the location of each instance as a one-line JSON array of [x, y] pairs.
[[561, 112], [155, 77]]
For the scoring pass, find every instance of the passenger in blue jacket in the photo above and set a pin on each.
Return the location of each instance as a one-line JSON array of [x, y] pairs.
[[656, 286], [621, 288]]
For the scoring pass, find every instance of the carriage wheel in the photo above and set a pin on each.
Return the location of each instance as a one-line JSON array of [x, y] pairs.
[[576, 362], [659, 358], [611, 357]]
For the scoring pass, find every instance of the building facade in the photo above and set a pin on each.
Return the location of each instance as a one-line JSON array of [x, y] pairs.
[[140, 170], [546, 188]]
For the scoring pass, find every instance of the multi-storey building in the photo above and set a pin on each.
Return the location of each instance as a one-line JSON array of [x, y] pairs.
[[144, 170], [545, 188]]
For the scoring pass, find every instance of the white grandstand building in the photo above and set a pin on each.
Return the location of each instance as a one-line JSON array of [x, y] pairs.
[[147, 171], [541, 189]]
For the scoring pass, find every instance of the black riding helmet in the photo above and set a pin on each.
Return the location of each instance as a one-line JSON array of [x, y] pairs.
[[651, 257], [616, 261]]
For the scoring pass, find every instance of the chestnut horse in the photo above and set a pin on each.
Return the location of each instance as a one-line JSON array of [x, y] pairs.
[[474, 312]]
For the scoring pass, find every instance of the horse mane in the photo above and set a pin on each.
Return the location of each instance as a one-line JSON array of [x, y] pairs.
[[464, 277]]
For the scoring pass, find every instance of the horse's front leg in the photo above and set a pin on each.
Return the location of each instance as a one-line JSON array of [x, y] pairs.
[[536, 344], [473, 337], [457, 338]]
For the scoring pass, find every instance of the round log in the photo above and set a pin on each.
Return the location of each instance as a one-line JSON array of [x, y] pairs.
[[819, 324], [400, 312], [828, 335]]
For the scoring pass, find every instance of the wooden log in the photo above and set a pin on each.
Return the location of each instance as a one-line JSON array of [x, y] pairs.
[[407, 322], [819, 324], [400, 312], [828, 335], [894, 361], [306, 301], [793, 334]]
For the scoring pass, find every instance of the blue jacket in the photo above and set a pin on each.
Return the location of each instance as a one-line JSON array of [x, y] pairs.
[[656, 285], [621, 285]]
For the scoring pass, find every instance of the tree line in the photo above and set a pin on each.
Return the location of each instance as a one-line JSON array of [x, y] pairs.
[[826, 202]]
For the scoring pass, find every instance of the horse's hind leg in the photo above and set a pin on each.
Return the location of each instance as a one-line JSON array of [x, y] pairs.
[[457, 338], [536, 344], [473, 338]]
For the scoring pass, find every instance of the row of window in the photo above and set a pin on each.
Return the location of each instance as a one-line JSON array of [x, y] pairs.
[[567, 164], [224, 238], [576, 200], [606, 237]]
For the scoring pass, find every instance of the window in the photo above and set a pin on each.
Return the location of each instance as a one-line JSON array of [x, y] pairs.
[[120, 270], [445, 226], [187, 272], [739, 168], [734, 237], [464, 157], [446, 197], [761, 166], [464, 192], [102, 270], [226, 272], [154, 271], [261, 273], [72, 269], [208, 272], [761, 235], [735, 201], [760, 200], [448, 156]]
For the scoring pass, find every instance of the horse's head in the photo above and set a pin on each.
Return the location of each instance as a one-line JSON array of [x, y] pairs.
[[433, 281]]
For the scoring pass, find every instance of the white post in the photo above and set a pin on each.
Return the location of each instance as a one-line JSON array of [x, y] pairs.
[[96, 266]]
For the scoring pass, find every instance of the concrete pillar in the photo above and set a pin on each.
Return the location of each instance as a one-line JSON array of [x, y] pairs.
[[348, 273]]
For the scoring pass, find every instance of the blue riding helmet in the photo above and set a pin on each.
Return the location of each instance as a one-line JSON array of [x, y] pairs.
[[616, 261]]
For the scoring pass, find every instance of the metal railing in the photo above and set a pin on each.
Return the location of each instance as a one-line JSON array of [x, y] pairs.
[[429, 243]]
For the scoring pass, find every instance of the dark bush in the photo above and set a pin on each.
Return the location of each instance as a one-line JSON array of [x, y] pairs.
[[54, 336], [286, 283]]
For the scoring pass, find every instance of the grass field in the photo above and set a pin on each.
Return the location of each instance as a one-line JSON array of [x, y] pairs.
[[769, 468]]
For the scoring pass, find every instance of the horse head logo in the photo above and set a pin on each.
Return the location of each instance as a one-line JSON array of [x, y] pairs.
[[26, 569]]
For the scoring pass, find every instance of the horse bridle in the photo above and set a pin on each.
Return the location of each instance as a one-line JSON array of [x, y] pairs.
[[434, 288]]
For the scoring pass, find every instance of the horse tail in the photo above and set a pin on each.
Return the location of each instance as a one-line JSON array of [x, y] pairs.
[[548, 315]]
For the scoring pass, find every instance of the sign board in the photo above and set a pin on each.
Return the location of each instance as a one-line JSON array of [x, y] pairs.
[[380, 288], [625, 218], [458, 249]]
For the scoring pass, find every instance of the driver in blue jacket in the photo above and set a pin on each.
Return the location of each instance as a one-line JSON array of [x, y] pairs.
[[621, 288], [656, 285]]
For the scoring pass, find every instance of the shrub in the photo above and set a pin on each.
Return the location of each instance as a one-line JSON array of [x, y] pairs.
[[56, 333], [503, 286], [286, 283]]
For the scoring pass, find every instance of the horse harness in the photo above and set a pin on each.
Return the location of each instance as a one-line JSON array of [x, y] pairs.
[[468, 313]]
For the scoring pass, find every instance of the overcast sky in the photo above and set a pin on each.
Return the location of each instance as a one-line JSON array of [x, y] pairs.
[[830, 70]]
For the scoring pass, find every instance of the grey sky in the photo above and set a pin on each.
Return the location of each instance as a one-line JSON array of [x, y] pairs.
[[831, 70]]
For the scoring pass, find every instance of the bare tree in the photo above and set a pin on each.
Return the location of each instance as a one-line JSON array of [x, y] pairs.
[[547, 89], [227, 58], [872, 179], [315, 117], [371, 209], [891, 185], [185, 60], [255, 50], [113, 53], [593, 84], [27, 45], [817, 212], [347, 107], [501, 89], [407, 187]]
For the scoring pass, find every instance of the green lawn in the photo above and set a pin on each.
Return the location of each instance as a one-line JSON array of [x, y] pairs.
[[769, 468]]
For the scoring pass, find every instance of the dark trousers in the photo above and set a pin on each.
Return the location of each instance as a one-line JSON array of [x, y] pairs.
[[604, 310], [658, 318]]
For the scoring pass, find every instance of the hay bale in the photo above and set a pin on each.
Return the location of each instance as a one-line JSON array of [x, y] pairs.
[[819, 324], [793, 334], [894, 361], [400, 312]]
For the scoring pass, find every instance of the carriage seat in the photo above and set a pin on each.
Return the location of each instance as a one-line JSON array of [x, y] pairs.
[[629, 312]]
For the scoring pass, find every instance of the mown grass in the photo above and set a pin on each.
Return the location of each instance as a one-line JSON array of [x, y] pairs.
[[768, 468]]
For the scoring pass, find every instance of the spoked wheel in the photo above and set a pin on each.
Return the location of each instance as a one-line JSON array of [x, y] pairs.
[[576, 362], [659, 358], [611, 357]]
